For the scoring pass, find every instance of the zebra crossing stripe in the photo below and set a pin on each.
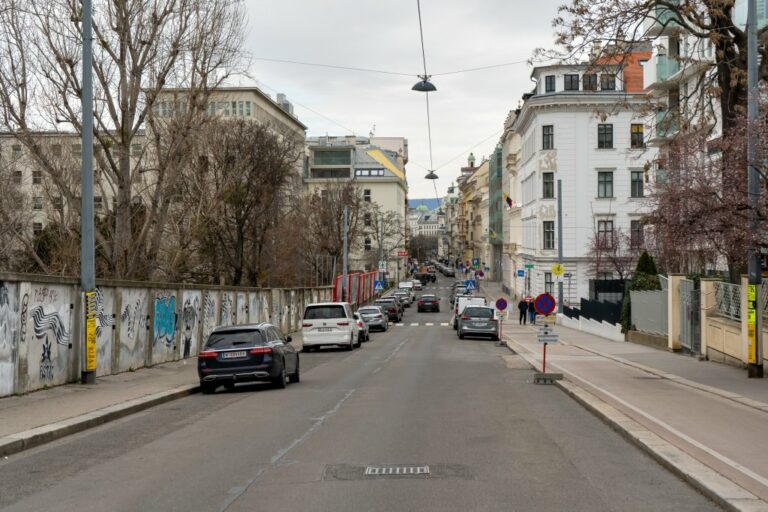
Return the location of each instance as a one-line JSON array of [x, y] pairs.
[[399, 325], [415, 324], [443, 324], [429, 324]]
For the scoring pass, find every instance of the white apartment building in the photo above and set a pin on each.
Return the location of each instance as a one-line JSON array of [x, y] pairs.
[[377, 166], [584, 129], [45, 202]]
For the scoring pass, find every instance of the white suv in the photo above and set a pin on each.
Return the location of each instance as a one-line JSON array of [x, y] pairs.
[[329, 323]]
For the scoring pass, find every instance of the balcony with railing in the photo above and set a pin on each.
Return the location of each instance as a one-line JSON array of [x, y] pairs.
[[661, 21]]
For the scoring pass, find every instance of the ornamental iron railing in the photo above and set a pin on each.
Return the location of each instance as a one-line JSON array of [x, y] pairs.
[[728, 300]]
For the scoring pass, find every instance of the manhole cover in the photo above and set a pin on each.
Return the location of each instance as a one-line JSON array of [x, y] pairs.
[[396, 470]]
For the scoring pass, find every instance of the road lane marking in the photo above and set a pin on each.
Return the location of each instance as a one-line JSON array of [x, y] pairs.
[[415, 324], [236, 492], [429, 324], [399, 325], [444, 324]]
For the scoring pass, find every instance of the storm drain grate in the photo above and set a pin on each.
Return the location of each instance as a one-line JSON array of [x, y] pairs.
[[396, 470]]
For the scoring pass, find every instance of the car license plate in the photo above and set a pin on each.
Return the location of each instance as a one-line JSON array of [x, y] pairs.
[[324, 329], [478, 324], [233, 355]]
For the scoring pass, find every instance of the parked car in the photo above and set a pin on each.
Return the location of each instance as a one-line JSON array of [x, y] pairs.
[[449, 272], [391, 306], [375, 316], [406, 285], [463, 301], [405, 296], [428, 303], [420, 277], [417, 285], [247, 353], [329, 323], [478, 321], [362, 328]]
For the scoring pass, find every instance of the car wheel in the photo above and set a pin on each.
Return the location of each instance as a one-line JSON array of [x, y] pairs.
[[207, 388], [351, 345], [279, 382], [359, 340], [495, 338], [461, 336], [295, 376]]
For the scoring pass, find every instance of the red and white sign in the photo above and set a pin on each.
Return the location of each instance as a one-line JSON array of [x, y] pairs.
[[402, 254]]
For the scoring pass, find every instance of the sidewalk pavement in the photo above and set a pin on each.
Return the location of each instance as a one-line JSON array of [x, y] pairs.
[[708, 413], [43, 416]]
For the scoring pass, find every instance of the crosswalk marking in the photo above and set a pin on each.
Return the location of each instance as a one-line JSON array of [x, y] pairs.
[[415, 324], [399, 325], [443, 324], [429, 324]]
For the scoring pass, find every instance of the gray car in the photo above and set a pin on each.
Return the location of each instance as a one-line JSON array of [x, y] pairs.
[[478, 321], [375, 317]]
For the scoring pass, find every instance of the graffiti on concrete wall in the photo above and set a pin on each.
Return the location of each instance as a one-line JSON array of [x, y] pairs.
[[164, 327], [105, 334], [134, 320], [253, 307], [50, 315], [165, 319], [9, 317], [190, 314], [242, 308], [227, 309], [210, 300]]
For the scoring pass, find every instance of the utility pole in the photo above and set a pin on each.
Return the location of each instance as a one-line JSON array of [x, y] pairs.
[[345, 257], [560, 243], [754, 316], [381, 248], [87, 251]]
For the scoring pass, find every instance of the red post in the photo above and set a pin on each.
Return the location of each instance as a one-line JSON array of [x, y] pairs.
[[544, 361]]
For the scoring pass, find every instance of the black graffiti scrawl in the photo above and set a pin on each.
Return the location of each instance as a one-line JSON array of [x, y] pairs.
[[189, 318], [43, 325], [105, 320]]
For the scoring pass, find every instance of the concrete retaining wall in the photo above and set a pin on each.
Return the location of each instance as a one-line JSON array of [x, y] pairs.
[[138, 324], [602, 329]]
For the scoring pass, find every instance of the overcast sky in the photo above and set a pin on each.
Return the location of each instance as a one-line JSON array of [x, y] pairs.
[[384, 35]]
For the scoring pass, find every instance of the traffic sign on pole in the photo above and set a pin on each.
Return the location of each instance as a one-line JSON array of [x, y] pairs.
[[544, 304], [557, 270], [529, 266], [521, 273], [378, 286], [470, 284], [501, 304]]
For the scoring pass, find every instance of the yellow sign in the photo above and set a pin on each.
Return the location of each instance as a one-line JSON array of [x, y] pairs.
[[90, 331], [752, 324], [557, 270]]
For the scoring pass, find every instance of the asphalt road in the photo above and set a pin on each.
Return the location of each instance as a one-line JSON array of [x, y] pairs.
[[414, 397]]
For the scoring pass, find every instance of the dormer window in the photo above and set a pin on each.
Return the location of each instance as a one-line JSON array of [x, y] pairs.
[[571, 82], [549, 83]]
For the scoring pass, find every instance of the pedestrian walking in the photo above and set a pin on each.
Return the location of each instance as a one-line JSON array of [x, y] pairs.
[[523, 307], [531, 313]]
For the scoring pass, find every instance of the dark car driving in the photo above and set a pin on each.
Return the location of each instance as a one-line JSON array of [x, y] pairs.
[[247, 353], [428, 303]]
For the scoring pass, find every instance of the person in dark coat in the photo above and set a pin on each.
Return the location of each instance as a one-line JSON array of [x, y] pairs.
[[532, 313], [523, 307]]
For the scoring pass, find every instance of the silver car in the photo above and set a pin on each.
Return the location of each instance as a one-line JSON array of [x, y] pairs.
[[375, 317], [478, 321]]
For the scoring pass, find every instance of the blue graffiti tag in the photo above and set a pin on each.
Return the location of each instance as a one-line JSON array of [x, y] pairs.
[[165, 320]]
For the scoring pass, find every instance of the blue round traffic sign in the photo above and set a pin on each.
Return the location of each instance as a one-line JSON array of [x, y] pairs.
[[544, 304], [501, 304]]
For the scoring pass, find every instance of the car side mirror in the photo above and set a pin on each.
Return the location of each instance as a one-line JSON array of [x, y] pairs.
[[288, 339]]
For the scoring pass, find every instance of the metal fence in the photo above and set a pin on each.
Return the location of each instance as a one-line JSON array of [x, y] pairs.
[[764, 297], [664, 282], [690, 320], [601, 311], [728, 300], [649, 311]]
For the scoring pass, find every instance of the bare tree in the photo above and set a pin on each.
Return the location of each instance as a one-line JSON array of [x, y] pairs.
[[607, 32], [614, 253], [232, 200], [386, 229], [141, 47]]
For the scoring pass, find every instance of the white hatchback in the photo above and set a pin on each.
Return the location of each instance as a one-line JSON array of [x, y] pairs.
[[329, 323]]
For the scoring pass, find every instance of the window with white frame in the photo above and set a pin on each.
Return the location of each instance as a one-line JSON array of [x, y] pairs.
[[549, 284], [367, 195], [37, 177], [37, 203], [605, 232], [368, 244], [605, 184], [549, 234]]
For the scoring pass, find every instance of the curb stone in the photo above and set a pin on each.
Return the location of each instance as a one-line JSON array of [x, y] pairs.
[[710, 483], [37, 436]]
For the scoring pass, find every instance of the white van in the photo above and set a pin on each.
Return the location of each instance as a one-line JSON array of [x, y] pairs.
[[329, 323], [462, 301]]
